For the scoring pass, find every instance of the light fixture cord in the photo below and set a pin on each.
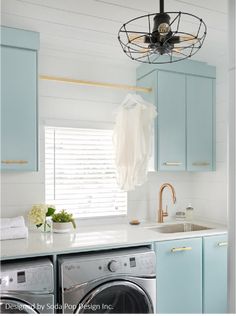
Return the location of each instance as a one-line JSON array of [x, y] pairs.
[[161, 6]]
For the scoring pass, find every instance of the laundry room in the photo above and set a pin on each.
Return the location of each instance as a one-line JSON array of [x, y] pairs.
[[118, 151]]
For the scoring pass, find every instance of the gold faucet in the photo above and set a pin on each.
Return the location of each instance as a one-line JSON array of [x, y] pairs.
[[161, 213]]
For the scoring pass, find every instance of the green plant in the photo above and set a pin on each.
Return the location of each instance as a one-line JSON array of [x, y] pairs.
[[63, 217]]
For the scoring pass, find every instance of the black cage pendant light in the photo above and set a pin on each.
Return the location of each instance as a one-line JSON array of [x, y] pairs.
[[163, 37]]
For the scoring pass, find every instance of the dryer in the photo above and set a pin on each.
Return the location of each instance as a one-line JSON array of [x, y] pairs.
[[26, 287], [121, 281]]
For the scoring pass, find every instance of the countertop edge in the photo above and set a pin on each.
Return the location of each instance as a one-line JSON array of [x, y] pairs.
[[145, 237]]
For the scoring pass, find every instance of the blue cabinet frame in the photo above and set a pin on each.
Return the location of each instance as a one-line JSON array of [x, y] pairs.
[[192, 275], [185, 125]]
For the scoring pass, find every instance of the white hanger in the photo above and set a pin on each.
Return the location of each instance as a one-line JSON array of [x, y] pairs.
[[132, 100]]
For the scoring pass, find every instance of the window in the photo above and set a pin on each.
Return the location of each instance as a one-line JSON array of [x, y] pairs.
[[80, 172]]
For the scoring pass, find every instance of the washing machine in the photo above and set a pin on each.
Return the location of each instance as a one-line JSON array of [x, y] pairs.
[[26, 287], [121, 281]]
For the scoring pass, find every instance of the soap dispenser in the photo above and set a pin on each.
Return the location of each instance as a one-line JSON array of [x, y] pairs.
[[189, 212]]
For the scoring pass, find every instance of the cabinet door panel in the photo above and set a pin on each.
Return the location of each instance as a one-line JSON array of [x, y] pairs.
[[171, 134], [179, 276], [19, 109], [199, 123], [215, 274]]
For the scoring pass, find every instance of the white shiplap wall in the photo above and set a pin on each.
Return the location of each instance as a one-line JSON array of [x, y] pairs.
[[78, 39], [232, 162], [69, 104]]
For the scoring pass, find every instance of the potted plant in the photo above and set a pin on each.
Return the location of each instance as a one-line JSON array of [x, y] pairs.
[[62, 222]]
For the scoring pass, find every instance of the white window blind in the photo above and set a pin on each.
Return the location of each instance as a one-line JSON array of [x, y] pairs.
[[80, 172]]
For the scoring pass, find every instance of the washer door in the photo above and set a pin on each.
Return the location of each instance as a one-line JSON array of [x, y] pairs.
[[116, 297], [14, 306]]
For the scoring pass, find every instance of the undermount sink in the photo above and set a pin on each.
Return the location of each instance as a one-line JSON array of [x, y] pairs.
[[179, 228]]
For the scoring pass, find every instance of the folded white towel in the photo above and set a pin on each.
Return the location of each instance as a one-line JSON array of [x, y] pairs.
[[12, 222], [13, 233]]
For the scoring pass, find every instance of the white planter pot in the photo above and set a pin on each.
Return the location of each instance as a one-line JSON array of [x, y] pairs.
[[62, 227]]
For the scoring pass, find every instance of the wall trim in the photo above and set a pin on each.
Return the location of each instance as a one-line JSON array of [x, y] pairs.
[[231, 162]]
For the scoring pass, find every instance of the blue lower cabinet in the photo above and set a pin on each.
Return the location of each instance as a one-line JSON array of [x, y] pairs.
[[215, 274], [179, 276]]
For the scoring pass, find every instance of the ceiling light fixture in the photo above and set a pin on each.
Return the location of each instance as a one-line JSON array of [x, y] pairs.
[[165, 39]]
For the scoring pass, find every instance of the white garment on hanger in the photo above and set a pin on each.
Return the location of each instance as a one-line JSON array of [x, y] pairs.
[[132, 138]]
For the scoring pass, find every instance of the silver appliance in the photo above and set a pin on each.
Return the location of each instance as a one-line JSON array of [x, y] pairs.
[[121, 281], [27, 287]]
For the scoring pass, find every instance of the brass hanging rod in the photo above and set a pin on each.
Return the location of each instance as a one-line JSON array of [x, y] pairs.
[[96, 83]]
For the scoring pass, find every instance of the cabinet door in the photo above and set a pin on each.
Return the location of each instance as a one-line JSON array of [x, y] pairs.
[[200, 123], [19, 109], [179, 276], [171, 120], [215, 274]]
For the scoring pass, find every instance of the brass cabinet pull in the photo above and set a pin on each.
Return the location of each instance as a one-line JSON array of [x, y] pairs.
[[222, 244], [172, 163], [201, 163], [181, 249], [16, 162]]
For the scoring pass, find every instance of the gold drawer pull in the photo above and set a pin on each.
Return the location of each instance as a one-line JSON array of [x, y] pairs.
[[201, 163], [222, 244], [16, 162], [181, 249], [172, 163]]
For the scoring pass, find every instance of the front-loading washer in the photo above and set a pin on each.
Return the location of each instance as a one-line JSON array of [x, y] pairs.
[[120, 281], [26, 287]]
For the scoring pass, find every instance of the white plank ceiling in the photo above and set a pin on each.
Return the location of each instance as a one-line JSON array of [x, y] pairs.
[[88, 28]]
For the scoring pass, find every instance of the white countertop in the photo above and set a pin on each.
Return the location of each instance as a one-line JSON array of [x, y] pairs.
[[96, 238]]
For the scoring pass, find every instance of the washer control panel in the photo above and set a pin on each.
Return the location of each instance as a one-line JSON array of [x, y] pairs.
[[84, 268], [25, 277]]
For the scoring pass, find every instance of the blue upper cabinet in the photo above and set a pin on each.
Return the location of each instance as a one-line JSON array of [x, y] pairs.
[[184, 94], [215, 274], [171, 118], [200, 125], [19, 111]]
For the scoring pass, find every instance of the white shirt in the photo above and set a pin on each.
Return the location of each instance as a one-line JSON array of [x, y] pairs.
[[132, 138]]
